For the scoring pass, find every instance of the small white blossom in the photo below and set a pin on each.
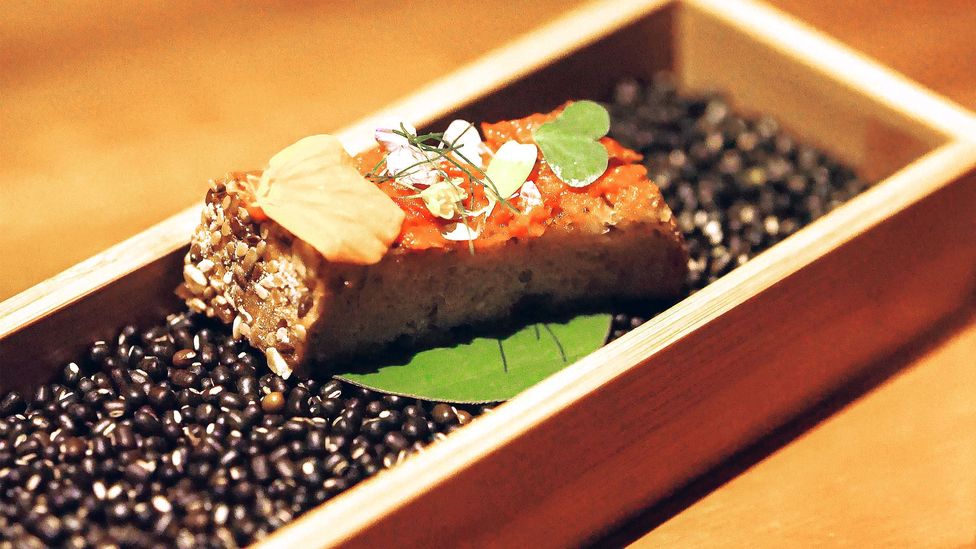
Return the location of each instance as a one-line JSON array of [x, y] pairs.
[[391, 141], [460, 232], [442, 199], [408, 164], [464, 137], [530, 195], [411, 166]]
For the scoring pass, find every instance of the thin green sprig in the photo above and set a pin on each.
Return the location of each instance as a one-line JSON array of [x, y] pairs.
[[435, 143], [434, 149]]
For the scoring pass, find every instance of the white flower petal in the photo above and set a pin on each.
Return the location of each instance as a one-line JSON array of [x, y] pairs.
[[530, 195], [442, 199], [411, 166], [464, 136], [487, 209], [390, 141], [459, 232]]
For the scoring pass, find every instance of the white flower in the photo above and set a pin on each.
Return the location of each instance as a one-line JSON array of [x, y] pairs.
[[460, 232], [530, 195], [385, 136], [464, 138], [442, 199], [411, 166], [408, 164]]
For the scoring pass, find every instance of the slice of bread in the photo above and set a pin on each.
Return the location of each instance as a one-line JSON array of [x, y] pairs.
[[281, 295]]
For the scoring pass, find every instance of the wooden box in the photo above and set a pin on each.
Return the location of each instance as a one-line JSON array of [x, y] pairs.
[[641, 417]]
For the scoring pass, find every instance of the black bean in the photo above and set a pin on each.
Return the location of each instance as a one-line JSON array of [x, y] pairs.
[[332, 389], [48, 528], [102, 446], [444, 414], [205, 413], [115, 408], [335, 443], [414, 410], [250, 414], [98, 352], [356, 403], [183, 378], [345, 427], [464, 417], [335, 464], [331, 407], [147, 422], [71, 374], [222, 375], [414, 428], [184, 358], [294, 429], [136, 473], [74, 448], [125, 437], [297, 403], [395, 441], [375, 407], [133, 395], [12, 404], [42, 395], [374, 429], [273, 402], [315, 442], [335, 485], [245, 366], [208, 354], [285, 467], [161, 397], [163, 350], [247, 386], [81, 412]]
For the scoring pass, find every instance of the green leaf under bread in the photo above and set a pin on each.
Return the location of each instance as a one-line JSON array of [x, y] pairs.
[[488, 369]]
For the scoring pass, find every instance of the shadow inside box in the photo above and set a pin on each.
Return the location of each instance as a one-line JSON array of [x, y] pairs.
[[636, 526], [622, 316]]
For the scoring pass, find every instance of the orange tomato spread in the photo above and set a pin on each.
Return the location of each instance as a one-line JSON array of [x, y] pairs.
[[623, 190]]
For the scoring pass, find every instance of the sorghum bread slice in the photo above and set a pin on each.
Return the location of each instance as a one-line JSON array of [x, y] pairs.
[[282, 296], [613, 240]]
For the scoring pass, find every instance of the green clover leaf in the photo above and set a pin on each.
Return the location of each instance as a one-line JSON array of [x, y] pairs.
[[570, 143]]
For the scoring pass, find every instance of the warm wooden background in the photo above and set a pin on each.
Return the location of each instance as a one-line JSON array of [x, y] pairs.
[[108, 126]]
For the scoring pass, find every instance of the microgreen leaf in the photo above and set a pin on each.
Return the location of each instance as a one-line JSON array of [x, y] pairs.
[[511, 166], [570, 143], [487, 369]]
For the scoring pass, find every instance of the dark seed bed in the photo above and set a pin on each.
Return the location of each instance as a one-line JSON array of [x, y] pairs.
[[175, 435]]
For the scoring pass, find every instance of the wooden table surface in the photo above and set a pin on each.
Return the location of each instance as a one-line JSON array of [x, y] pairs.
[[110, 126], [888, 462]]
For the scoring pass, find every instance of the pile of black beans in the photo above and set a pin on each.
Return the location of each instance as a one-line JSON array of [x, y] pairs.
[[176, 435], [736, 185]]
